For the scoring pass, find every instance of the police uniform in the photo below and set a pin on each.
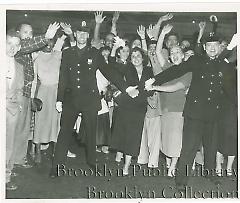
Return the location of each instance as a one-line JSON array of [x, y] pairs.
[[78, 92], [202, 109]]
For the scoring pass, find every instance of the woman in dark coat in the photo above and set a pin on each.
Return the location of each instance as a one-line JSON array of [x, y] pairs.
[[131, 112]]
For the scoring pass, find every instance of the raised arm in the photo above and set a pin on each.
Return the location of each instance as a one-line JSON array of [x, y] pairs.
[[166, 29], [166, 17], [68, 31], [114, 22], [98, 19], [30, 45], [199, 47], [141, 32]]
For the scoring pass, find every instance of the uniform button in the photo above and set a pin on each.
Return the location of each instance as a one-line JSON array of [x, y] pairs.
[[78, 71], [78, 79], [208, 98], [78, 86], [78, 64], [210, 90], [211, 83]]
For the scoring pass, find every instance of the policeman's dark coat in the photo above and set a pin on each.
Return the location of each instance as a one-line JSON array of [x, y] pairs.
[[206, 92], [77, 78]]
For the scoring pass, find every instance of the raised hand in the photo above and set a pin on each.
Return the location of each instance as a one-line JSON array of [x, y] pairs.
[[51, 31], [166, 17], [66, 28], [132, 91], [166, 29], [115, 17], [98, 17], [148, 84], [118, 42], [141, 31], [150, 31], [202, 25], [59, 106]]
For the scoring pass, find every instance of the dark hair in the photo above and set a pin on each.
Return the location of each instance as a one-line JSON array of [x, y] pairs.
[[133, 38], [173, 34], [104, 48], [19, 26], [12, 33], [144, 56], [119, 49]]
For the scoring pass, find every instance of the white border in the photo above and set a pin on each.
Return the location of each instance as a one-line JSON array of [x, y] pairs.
[[92, 5]]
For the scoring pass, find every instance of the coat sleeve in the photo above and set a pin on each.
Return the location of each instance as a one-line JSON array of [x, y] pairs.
[[30, 45], [111, 74], [176, 71], [63, 78]]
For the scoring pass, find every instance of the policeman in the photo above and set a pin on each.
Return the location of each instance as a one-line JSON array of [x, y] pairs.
[[78, 92], [202, 108]]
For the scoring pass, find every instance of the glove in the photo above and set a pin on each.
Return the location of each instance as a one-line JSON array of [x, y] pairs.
[[59, 106]]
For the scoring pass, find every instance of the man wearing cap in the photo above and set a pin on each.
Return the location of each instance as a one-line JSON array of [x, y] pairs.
[[202, 108], [78, 92]]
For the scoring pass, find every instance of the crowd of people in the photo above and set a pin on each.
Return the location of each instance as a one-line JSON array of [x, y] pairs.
[[141, 96]]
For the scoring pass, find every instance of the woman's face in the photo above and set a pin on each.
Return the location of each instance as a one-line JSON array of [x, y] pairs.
[[124, 53], [136, 43], [136, 58], [176, 55]]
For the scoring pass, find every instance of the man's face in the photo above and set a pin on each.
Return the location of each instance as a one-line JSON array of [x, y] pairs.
[[109, 40], [26, 31], [171, 41], [136, 43], [223, 46], [81, 37], [152, 49], [12, 46], [136, 58], [212, 49], [176, 55]]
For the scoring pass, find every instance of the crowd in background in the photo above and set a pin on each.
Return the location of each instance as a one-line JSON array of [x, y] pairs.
[[122, 95]]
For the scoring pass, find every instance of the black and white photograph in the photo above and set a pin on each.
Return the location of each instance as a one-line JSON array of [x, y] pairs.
[[120, 102]]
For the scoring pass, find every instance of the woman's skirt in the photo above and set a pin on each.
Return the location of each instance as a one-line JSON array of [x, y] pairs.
[[172, 128], [47, 121]]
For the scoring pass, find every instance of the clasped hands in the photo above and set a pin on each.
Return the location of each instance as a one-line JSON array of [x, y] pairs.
[[133, 91]]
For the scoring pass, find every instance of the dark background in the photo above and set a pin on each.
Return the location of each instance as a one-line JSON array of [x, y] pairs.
[[128, 21]]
